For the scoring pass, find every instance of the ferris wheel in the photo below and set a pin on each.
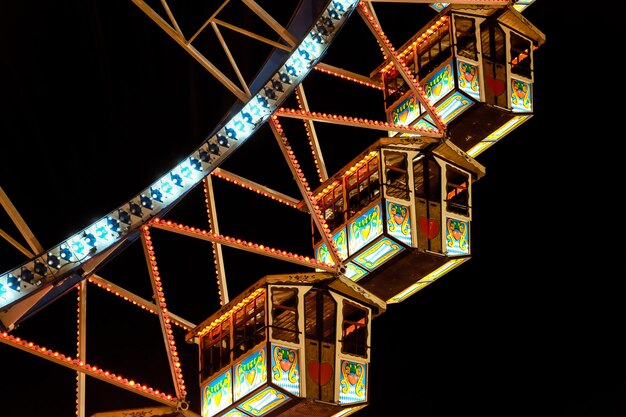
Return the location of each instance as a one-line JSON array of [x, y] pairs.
[[273, 101]]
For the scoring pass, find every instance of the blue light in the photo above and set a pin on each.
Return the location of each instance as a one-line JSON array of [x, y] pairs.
[[78, 247], [166, 187], [231, 133], [89, 238], [186, 171], [247, 117], [239, 125], [263, 102], [113, 224], [176, 179], [195, 164], [65, 254], [156, 195], [13, 283]]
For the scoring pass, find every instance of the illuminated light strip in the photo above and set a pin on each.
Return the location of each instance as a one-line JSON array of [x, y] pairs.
[[93, 371], [257, 188], [216, 248], [478, 2], [311, 138], [159, 296], [314, 210], [348, 411], [230, 312], [356, 122], [348, 172], [240, 244], [428, 279], [327, 189], [326, 69], [497, 134], [69, 255], [136, 300], [81, 345]]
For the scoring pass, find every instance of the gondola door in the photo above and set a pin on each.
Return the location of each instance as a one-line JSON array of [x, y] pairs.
[[321, 328], [427, 186]]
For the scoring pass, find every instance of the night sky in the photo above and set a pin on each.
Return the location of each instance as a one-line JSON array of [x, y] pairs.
[[98, 102]]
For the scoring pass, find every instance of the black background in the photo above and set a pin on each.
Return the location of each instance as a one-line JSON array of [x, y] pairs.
[[98, 102]]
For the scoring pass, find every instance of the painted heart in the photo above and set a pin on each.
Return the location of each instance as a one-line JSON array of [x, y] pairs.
[[285, 365], [320, 373], [403, 115], [366, 231], [217, 397], [250, 376], [352, 379], [494, 85], [398, 218], [437, 89], [429, 227]]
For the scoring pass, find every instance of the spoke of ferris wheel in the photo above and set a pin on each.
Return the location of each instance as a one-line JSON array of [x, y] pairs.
[[305, 190], [81, 348], [312, 135], [231, 59], [137, 300], [348, 75], [175, 32], [358, 122], [178, 37], [256, 187], [220, 273], [163, 314], [271, 22], [21, 225], [17, 245], [241, 244]]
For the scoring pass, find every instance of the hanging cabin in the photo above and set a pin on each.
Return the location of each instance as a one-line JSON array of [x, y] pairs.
[[475, 65], [291, 345], [399, 214]]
